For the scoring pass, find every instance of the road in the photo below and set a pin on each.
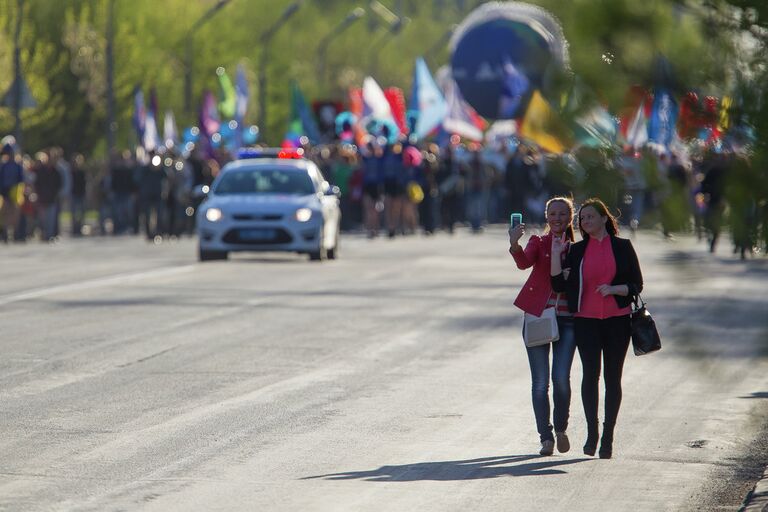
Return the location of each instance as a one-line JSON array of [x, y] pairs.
[[133, 377]]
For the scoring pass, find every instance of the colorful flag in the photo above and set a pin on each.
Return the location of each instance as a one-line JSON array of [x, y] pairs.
[[139, 113], [375, 104], [170, 133], [241, 94], [301, 122], [542, 125], [663, 119], [637, 129], [227, 95], [428, 107], [460, 119], [514, 86], [396, 100], [596, 129], [209, 115], [151, 140]]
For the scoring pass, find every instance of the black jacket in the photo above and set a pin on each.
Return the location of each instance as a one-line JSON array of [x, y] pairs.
[[627, 272]]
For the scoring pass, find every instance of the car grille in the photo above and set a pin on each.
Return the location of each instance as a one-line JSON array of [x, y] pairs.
[[257, 236], [257, 216]]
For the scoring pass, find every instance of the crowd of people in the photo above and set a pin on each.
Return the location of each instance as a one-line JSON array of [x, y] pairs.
[[388, 189]]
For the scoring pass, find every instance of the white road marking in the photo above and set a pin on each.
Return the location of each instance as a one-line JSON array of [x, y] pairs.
[[94, 283]]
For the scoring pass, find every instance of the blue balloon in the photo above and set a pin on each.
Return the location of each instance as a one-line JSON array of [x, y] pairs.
[[523, 37], [250, 135], [190, 134]]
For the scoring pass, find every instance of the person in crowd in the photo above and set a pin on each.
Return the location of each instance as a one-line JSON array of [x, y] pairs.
[[153, 193], [77, 197], [123, 192], [477, 190], [11, 190], [394, 177], [414, 185], [48, 183], [713, 190], [372, 188], [535, 296], [450, 179], [64, 169], [601, 279]]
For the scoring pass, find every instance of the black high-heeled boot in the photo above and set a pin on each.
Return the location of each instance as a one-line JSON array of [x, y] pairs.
[[606, 443], [590, 446]]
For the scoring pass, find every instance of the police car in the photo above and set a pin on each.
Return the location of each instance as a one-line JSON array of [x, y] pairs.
[[269, 200]]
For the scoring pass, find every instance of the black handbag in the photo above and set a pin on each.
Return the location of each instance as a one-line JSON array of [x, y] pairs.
[[645, 336]]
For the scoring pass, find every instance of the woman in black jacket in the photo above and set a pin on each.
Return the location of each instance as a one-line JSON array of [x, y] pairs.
[[601, 276]]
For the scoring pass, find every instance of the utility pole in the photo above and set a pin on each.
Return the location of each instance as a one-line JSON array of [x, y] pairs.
[[111, 125], [189, 52], [265, 40], [17, 83]]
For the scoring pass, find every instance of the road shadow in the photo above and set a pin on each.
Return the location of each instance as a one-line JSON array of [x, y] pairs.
[[757, 394], [471, 469]]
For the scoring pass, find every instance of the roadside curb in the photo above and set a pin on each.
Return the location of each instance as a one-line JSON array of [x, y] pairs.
[[757, 500]]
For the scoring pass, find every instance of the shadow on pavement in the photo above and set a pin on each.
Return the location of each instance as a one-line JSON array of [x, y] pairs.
[[472, 469], [757, 394]]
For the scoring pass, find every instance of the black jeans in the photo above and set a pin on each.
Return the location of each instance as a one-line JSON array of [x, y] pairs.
[[609, 337]]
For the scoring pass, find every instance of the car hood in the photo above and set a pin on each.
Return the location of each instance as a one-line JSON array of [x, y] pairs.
[[261, 202]]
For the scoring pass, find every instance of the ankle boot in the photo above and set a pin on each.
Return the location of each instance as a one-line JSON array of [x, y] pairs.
[[606, 443], [590, 446]]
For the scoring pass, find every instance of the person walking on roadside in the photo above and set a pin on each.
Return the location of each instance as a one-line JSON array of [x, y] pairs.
[[602, 277], [535, 296]]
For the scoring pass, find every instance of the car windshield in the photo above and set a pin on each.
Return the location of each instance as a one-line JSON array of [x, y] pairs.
[[265, 181]]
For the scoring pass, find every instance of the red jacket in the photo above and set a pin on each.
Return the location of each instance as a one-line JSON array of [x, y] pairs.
[[535, 292]]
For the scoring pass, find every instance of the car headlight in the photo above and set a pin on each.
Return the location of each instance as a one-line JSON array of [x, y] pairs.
[[303, 214], [213, 214]]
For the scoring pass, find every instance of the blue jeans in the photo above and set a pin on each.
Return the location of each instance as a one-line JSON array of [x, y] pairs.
[[562, 358]]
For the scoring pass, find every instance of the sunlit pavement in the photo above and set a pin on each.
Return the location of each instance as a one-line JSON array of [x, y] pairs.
[[135, 378]]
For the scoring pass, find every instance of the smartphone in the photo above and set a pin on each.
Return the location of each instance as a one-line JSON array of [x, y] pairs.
[[515, 219]]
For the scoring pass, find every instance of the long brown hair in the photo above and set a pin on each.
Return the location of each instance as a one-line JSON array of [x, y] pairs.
[[611, 224], [567, 202]]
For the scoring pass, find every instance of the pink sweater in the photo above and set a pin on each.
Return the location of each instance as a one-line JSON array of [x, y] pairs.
[[599, 267]]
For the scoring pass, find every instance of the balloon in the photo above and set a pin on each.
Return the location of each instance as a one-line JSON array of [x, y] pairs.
[[509, 48]]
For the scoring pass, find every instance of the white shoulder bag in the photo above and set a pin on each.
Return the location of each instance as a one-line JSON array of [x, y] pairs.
[[540, 330]]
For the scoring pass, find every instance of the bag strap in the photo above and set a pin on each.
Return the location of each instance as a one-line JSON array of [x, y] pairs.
[[635, 299]]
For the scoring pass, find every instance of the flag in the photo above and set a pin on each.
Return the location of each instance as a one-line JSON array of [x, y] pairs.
[[170, 133], [139, 113], [514, 85], [542, 125], [637, 129], [375, 104], [151, 140], [663, 119], [301, 122], [428, 107], [396, 100], [153, 102], [241, 95], [596, 129], [227, 95], [460, 118], [209, 116]]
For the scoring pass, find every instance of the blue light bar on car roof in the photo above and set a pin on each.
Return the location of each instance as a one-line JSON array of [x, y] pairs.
[[286, 153]]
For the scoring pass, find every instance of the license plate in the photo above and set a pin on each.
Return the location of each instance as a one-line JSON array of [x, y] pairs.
[[256, 235]]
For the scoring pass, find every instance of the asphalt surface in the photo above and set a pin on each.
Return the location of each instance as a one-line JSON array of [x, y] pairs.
[[133, 377]]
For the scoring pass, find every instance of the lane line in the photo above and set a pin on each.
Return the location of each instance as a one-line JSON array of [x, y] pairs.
[[94, 283]]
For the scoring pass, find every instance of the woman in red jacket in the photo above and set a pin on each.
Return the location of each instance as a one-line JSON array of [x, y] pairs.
[[535, 296]]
